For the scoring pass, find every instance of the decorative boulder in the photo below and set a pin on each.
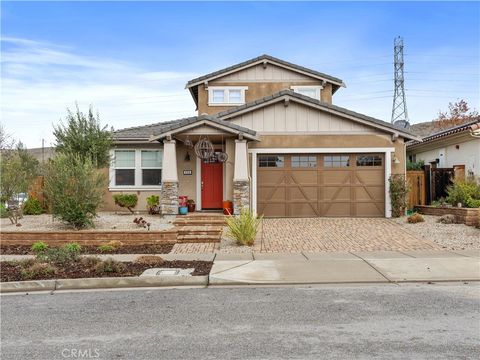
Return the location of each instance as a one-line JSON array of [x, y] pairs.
[[447, 219]]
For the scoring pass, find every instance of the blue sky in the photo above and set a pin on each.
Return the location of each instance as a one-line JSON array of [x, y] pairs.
[[131, 60]]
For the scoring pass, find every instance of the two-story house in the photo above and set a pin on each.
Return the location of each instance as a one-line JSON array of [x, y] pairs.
[[266, 136]]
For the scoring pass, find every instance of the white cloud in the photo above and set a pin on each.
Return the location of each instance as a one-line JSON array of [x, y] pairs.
[[40, 80]]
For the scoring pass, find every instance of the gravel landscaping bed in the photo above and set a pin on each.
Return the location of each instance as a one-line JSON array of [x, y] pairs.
[[12, 271], [88, 249], [448, 236], [106, 221]]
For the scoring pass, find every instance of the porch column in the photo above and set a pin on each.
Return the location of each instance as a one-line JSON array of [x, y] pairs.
[[241, 181], [169, 192]]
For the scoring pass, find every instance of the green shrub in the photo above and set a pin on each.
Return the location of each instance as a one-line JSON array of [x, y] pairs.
[[32, 207], [399, 189], [244, 227], [73, 247], [415, 218], [128, 201], [3, 211], [152, 204], [106, 248], [60, 256], [109, 266], [39, 246], [37, 271], [466, 192], [415, 165], [90, 261], [150, 260], [74, 190]]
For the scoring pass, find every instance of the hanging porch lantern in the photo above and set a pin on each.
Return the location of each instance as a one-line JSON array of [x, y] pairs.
[[204, 149]]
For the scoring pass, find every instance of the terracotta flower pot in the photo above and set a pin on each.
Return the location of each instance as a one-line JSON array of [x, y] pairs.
[[227, 207]]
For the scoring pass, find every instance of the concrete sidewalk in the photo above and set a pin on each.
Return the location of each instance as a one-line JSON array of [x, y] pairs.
[[329, 267], [347, 267]]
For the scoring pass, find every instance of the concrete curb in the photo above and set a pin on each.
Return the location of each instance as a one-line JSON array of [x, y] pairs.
[[103, 283]]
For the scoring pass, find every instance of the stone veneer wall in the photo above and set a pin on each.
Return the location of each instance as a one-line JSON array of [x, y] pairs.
[[467, 216], [169, 198], [241, 196]]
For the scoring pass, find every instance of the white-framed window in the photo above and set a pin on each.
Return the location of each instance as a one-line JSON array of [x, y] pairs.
[[231, 95], [310, 91], [136, 168]]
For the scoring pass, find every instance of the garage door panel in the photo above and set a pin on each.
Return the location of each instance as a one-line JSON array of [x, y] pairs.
[[337, 209], [312, 186], [303, 209], [335, 193], [268, 193], [369, 193], [303, 193], [368, 209], [369, 177], [273, 209], [339, 177]]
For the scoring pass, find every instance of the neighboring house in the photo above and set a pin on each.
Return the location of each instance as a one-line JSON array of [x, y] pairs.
[[291, 152], [456, 147]]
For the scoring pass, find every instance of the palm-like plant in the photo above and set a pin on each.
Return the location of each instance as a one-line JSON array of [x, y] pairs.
[[244, 227]]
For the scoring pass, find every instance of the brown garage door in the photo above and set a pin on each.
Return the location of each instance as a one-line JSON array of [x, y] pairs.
[[295, 185]]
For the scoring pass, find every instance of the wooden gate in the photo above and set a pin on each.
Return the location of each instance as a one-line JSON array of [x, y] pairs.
[[418, 191], [441, 179]]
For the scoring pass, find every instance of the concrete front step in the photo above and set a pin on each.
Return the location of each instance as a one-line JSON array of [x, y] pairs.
[[199, 222], [203, 230], [198, 238]]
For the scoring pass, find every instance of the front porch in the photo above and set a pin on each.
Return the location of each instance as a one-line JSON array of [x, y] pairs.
[[211, 175]]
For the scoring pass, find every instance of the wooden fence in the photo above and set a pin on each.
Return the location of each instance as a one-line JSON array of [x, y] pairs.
[[418, 191]]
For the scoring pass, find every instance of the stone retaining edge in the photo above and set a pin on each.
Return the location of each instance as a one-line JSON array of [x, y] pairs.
[[102, 283]]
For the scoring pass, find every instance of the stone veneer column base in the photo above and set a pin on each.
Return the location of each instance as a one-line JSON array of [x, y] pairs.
[[241, 196], [169, 198]]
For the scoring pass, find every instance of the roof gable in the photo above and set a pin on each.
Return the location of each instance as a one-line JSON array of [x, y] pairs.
[[287, 95], [264, 60]]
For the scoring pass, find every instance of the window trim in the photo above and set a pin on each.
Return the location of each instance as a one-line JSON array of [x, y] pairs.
[[318, 90], [226, 95], [138, 171]]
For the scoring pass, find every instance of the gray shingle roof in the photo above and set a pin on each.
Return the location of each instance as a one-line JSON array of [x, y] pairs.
[[318, 103], [144, 132], [446, 132], [266, 58]]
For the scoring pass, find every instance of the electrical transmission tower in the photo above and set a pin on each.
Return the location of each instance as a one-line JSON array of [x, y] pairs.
[[399, 109]]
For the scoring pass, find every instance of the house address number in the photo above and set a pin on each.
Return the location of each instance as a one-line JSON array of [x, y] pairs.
[[187, 172]]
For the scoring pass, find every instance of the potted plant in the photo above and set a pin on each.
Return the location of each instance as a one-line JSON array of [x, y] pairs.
[[191, 205], [227, 207]]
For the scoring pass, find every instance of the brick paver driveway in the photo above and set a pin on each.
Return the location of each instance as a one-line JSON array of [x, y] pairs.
[[336, 234]]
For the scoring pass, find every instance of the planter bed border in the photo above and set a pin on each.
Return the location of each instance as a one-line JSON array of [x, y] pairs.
[[89, 237], [467, 216]]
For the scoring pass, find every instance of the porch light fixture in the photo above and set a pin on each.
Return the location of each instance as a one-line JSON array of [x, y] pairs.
[[204, 149], [395, 159], [188, 143], [187, 156]]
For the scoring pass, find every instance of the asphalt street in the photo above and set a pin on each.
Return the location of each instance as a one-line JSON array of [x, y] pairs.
[[411, 321]]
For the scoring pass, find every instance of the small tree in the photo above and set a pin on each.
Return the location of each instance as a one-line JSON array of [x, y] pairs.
[[83, 136], [18, 169], [458, 113], [399, 189], [74, 188]]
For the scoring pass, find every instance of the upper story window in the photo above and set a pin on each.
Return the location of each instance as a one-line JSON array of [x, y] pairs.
[[310, 91], [231, 95]]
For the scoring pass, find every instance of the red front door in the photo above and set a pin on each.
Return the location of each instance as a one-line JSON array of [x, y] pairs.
[[212, 185]]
